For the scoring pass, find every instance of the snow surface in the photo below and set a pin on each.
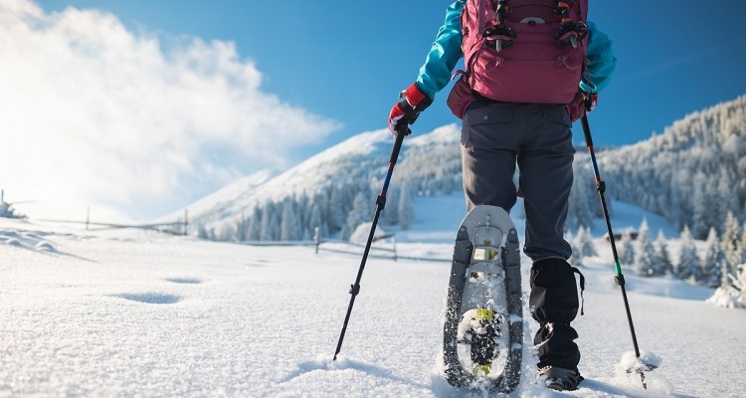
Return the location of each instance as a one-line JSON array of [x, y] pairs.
[[130, 313]]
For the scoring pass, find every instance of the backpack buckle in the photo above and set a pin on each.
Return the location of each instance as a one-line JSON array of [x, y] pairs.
[[571, 32], [498, 35]]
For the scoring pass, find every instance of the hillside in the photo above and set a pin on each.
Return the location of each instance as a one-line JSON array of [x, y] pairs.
[[689, 174], [692, 173], [325, 188]]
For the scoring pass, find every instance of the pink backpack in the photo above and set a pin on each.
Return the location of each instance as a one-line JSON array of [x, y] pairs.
[[522, 51]]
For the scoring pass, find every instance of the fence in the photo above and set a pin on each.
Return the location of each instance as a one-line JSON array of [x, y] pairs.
[[173, 227], [345, 247]]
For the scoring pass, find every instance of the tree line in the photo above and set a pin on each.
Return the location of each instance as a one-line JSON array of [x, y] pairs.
[[719, 262], [692, 175]]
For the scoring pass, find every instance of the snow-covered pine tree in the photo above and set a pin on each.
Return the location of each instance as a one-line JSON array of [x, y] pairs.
[[730, 244], [270, 226], [405, 209], [741, 281], [676, 209], [359, 214], [626, 250], [202, 232], [575, 256], [242, 228], [315, 221], [727, 195], [290, 228], [742, 245], [716, 209], [662, 256], [713, 261], [338, 206], [688, 258], [702, 207], [580, 212], [390, 214], [254, 229], [303, 216], [584, 241], [645, 263]]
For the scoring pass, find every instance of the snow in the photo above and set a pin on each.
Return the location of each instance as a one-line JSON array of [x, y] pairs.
[[445, 135], [134, 313], [727, 298], [646, 361], [628, 217], [362, 233]]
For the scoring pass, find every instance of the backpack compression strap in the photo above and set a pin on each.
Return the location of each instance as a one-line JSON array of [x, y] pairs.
[[571, 31], [500, 36]]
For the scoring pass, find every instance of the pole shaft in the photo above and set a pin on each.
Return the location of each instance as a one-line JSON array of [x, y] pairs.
[[601, 187], [380, 203]]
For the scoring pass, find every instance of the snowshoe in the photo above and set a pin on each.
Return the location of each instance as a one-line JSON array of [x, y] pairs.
[[483, 331], [560, 379]]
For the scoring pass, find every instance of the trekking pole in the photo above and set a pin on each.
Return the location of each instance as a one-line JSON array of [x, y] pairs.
[[402, 130], [619, 278]]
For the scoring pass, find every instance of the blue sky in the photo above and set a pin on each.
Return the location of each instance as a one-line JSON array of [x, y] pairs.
[[339, 65], [347, 60]]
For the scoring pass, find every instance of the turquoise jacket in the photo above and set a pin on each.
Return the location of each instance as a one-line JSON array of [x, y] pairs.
[[446, 52]]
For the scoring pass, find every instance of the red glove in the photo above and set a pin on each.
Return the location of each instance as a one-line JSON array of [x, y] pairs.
[[405, 112]]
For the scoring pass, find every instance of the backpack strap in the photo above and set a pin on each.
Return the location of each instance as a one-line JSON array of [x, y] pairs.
[[496, 33], [471, 46]]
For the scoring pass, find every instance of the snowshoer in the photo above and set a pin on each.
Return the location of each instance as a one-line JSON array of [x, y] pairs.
[[517, 109]]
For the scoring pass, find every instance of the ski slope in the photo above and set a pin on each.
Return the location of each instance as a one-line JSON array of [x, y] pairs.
[[130, 313]]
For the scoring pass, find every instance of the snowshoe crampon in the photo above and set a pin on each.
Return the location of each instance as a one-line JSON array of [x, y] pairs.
[[483, 331]]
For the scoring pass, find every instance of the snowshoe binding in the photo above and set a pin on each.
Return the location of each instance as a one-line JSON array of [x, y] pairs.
[[483, 331]]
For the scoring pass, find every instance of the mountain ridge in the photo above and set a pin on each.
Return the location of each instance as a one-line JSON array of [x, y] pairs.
[[324, 187]]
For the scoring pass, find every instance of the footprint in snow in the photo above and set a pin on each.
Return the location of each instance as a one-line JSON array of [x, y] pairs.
[[150, 298], [185, 281], [45, 247]]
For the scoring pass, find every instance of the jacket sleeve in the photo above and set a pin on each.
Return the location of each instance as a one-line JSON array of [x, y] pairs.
[[446, 51], [601, 61]]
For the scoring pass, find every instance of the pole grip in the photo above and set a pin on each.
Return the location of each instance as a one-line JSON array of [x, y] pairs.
[[400, 133]]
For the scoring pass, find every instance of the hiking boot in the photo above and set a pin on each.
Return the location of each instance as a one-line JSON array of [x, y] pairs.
[[560, 379]]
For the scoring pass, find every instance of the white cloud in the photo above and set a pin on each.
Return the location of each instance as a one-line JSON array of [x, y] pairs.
[[92, 113]]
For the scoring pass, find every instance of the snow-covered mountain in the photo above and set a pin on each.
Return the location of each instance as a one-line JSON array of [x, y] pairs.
[[326, 184], [692, 174]]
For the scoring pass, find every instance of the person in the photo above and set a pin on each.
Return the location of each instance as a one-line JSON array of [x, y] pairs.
[[496, 136]]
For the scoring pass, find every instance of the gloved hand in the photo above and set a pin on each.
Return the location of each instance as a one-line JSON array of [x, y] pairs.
[[590, 100], [405, 112]]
